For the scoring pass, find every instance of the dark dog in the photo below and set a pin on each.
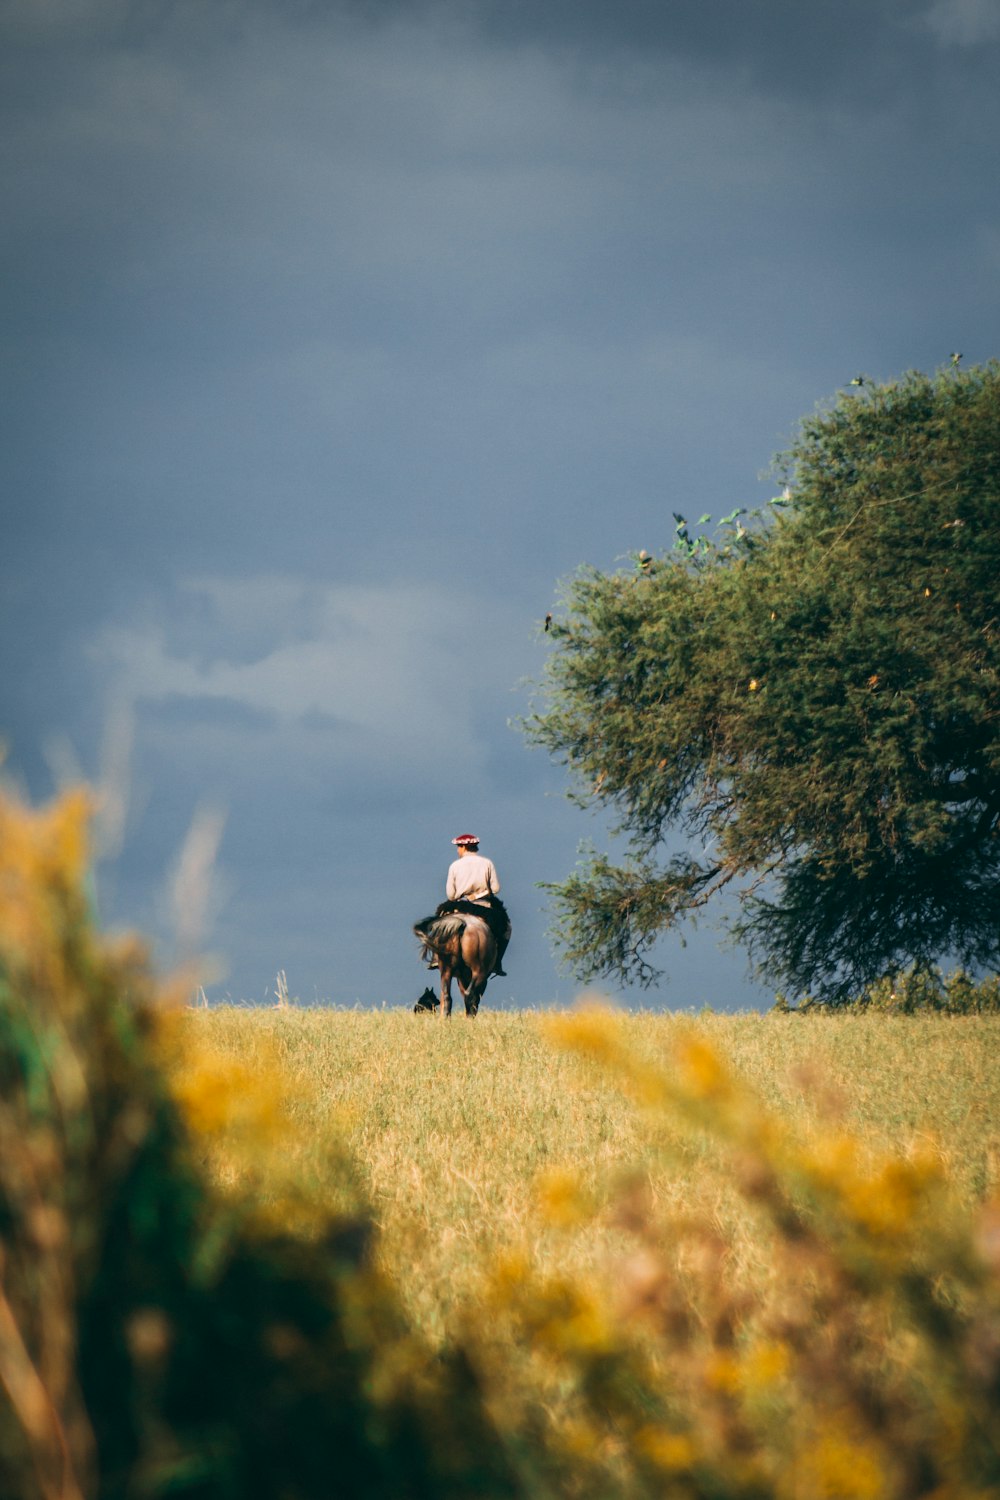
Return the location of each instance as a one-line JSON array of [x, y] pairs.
[[428, 1001]]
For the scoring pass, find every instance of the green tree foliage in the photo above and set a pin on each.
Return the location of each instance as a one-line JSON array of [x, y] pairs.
[[804, 708]]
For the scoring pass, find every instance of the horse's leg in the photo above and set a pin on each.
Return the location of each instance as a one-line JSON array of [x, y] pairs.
[[464, 979], [481, 966], [473, 995], [445, 987], [466, 969], [473, 992]]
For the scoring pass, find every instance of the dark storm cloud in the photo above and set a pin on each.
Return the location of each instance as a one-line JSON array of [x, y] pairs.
[[855, 53], [781, 43], [333, 335]]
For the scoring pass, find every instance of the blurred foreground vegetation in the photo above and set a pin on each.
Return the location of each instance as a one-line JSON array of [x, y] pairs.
[[161, 1333], [283, 1253]]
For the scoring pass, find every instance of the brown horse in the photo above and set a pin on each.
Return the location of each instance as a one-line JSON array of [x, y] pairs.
[[465, 950]]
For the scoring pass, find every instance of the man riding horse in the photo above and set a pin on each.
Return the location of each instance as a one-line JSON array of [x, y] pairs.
[[468, 951], [473, 887]]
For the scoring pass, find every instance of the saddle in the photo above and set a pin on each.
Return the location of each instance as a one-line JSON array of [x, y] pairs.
[[494, 915]]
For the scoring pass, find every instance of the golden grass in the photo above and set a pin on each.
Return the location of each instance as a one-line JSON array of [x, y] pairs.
[[464, 1136]]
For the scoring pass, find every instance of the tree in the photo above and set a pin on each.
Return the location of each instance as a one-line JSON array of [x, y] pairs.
[[805, 708]]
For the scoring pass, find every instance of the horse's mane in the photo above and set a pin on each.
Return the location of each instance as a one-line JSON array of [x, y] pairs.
[[422, 926], [452, 924]]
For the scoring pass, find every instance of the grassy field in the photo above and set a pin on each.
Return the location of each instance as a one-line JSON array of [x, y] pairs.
[[463, 1137], [579, 1256]]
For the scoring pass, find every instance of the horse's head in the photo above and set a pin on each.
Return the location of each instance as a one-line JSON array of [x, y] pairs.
[[428, 1001]]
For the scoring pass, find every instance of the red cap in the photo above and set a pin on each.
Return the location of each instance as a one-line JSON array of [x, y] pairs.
[[465, 839]]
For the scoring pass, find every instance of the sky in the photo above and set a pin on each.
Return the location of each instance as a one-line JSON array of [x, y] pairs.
[[337, 337]]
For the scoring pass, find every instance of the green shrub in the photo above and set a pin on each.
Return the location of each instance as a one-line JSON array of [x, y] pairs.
[[158, 1335], [919, 989]]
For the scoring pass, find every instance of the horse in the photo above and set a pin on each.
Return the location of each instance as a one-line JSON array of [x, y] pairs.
[[465, 950]]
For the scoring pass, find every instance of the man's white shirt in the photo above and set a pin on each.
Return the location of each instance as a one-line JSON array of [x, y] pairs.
[[473, 877]]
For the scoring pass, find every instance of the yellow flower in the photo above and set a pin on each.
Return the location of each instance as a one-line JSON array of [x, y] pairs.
[[593, 1030], [586, 1331], [561, 1198], [510, 1271], [831, 1161], [723, 1373], [43, 860], [836, 1466], [569, 1320], [883, 1196], [672, 1451], [765, 1365], [887, 1202], [702, 1071]]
